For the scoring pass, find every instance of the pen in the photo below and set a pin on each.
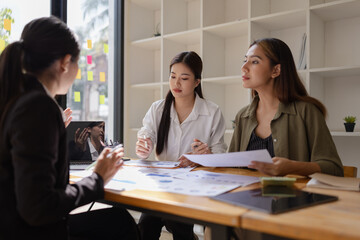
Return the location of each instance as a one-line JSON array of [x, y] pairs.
[[114, 148], [146, 145]]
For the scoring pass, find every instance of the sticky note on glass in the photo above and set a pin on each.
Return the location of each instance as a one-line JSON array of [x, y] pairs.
[[77, 97], [7, 24], [78, 75], [106, 48], [89, 44], [90, 76], [2, 45], [102, 99], [102, 76], [89, 59]]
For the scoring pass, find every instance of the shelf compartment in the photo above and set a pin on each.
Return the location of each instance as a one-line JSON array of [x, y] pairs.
[[148, 62], [224, 11], [144, 19], [230, 98], [336, 71], [222, 55], [334, 91], [292, 35], [191, 37], [345, 134], [267, 7], [328, 46], [224, 80], [228, 30], [138, 111], [153, 43], [151, 5], [336, 10], [147, 86], [279, 21], [181, 15]]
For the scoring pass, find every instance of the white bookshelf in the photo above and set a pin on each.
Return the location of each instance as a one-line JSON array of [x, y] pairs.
[[220, 31]]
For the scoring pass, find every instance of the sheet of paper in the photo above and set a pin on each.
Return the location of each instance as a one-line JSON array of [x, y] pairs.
[[219, 177], [233, 159]]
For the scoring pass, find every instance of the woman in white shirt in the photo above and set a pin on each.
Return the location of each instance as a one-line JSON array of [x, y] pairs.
[[181, 123]]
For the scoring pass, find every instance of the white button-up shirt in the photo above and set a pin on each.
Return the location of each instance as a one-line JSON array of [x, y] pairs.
[[93, 152], [205, 122]]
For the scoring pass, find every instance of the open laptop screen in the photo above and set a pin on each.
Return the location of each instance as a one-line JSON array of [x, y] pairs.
[[85, 140]]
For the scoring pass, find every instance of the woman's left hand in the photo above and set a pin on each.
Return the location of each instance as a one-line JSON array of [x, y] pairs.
[[68, 117], [279, 167]]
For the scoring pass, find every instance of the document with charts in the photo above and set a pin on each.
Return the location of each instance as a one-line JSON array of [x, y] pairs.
[[198, 183]]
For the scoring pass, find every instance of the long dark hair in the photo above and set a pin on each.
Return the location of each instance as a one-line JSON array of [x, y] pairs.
[[287, 86], [193, 61], [43, 41]]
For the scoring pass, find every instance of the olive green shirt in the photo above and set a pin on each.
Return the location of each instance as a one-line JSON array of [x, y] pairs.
[[299, 133]]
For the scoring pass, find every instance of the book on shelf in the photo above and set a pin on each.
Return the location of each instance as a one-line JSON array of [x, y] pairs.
[[322, 180], [302, 59]]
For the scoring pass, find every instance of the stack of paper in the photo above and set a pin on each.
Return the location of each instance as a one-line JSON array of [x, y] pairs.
[[322, 180]]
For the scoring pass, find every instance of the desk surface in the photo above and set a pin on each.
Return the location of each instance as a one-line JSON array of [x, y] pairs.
[[335, 220], [200, 208]]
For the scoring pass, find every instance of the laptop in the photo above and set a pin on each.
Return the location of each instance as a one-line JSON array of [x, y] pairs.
[[79, 159]]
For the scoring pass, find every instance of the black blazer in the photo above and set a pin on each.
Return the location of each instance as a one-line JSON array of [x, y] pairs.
[[35, 194]]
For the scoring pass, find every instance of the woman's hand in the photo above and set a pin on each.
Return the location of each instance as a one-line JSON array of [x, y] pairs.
[[80, 138], [143, 147], [199, 147], [184, 162], [68, 117], [108, 163], [284, 166], [279, 167]]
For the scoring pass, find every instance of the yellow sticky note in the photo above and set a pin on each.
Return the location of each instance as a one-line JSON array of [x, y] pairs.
[[77, 97], [102, 99], [2, 45], [7, 24], [89, 44], [102, 76], [78, 75], [106, 48], [90, 76]]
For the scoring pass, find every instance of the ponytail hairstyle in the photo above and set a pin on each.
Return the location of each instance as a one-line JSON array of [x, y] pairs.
[[287, 86], [193, 61], [43, 41]]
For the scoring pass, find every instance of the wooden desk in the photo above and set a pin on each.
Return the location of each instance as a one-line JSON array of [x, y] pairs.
[[330, 221], [221, 217], [335, 220]]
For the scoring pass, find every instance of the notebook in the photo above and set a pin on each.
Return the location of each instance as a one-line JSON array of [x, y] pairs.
[[322, 180], [274, 201]]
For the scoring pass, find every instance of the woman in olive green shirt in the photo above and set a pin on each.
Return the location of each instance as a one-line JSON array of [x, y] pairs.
[[282, 117]]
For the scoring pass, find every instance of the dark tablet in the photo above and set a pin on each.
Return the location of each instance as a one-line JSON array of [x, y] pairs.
[[275, 199]]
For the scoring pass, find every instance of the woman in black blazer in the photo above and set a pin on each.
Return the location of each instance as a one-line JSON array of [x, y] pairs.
[[35, 194]]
